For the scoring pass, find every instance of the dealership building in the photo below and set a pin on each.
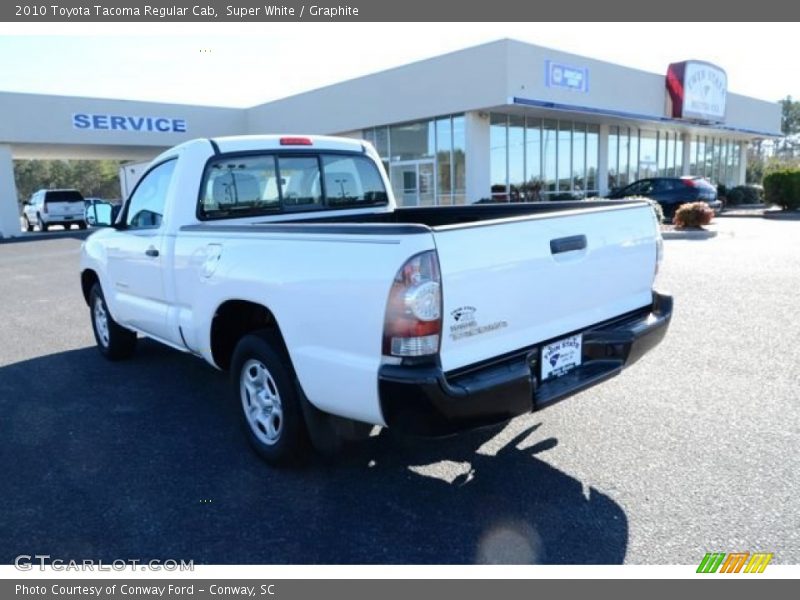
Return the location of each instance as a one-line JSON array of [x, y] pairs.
[[507, 121]]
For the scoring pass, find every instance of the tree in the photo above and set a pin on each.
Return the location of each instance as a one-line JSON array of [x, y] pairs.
[[93, 178]]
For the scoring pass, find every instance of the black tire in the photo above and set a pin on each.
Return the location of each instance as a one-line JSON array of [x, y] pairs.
[[67, 226], [26, 223], [82, 225], [278, 436], [114, 342], [42, 224]]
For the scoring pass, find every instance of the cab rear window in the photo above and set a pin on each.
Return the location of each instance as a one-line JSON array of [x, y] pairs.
[[240, 186]]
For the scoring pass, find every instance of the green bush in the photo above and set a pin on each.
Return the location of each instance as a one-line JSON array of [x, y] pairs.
[[692, 215], [745, 194], [735, 196], [783, 188]]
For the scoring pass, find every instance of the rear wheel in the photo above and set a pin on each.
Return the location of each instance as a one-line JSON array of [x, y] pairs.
[[42, 224], [82, 225], [263, 384], [114, 341]]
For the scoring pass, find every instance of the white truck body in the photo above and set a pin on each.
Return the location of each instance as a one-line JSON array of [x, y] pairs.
[[511, 279]]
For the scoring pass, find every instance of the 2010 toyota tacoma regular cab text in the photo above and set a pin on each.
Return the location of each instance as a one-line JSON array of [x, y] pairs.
[[286, 261]]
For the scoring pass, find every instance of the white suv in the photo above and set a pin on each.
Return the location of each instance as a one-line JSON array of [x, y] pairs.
[[54, 207]]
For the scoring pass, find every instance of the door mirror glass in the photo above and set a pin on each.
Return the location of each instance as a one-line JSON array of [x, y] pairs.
[[100, 215]]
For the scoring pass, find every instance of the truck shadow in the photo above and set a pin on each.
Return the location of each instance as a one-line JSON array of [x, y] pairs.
[[146, 460]]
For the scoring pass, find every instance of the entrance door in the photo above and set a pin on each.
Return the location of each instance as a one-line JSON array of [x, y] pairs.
[[414, 182]]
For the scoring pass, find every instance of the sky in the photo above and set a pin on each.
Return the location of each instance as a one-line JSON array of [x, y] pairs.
[[241, 65]]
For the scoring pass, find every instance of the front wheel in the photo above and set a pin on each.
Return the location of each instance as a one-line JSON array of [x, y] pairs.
[[27, 223], [114, 341], [263, 385]]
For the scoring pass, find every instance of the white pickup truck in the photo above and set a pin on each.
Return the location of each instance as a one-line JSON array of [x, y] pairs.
[[285, 261]]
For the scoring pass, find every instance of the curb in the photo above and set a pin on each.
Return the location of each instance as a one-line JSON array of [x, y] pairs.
[[702, 234], [780, 215], [54, 235]]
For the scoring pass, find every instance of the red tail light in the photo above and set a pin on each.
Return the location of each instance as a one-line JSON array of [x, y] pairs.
[[413, 323], [44, 208], [296, 141], [689, 183]]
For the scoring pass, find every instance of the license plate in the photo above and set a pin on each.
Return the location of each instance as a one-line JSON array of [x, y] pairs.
[[68, 218], [561, 356]]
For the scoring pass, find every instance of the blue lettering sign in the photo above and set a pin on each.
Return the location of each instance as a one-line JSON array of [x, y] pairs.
[[81, 121], [106, 122], [558, 75]]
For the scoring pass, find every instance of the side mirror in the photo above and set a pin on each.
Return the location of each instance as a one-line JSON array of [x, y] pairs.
[[101, 215]]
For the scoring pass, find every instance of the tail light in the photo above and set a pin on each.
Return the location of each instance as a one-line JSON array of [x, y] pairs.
[[44, 207], [689, 183], [413, 323]]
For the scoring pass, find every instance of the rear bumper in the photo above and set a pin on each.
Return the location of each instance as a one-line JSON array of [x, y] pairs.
[[423, 400]]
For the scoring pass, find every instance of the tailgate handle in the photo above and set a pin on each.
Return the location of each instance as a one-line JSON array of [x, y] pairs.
[[568, 244]]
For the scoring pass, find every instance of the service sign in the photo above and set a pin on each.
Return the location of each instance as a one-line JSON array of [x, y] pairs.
[[118, 122], [570, 77], [697, 90]]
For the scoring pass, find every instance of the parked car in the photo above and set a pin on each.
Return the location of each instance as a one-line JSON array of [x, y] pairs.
[[671, 192], [53, 207], [334, 310]]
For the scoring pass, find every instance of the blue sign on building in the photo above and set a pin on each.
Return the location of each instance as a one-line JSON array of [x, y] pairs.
[[559, 75], [128, 123]]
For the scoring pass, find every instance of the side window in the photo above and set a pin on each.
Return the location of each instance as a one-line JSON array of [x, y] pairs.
[[300, 182], [237, 187], [146, 205]]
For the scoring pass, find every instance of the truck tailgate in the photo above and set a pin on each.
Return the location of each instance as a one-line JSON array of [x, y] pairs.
[[510, 284]]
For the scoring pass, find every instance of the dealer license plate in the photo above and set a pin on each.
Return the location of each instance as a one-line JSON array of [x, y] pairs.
[[561, 356]]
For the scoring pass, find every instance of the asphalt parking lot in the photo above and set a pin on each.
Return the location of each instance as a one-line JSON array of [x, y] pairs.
[[692, 450]]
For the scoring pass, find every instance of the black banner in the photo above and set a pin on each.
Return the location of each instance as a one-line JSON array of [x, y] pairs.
[[394, 10]]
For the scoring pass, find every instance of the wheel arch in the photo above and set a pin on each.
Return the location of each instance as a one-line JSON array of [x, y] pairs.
[[88, 278], [235, 318]]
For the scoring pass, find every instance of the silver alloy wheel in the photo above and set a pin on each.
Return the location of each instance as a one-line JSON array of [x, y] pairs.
[[101, 321], [261, 401]]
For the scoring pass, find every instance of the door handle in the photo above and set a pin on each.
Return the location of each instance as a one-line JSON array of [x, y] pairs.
[[151, 251], [568, 244]]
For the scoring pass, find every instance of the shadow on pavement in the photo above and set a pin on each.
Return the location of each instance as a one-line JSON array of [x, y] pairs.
[[146, 460]]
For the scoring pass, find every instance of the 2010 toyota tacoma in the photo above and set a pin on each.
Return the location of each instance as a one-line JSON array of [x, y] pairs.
[[285, 261]]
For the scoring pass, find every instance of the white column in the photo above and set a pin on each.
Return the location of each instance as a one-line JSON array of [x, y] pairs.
[[477, 156], [742, 164], [9, 209], [687, 154], [602, 162]]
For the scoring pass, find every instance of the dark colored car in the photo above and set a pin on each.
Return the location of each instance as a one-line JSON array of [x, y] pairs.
[[671, 192]]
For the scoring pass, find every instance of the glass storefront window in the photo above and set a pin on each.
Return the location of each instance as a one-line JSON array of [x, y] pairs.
[[579, 160], [678, 155], [549, 132], [459, 173], [663, 143], [444, 152], [533, 160], [498, 144], [624, 150], [412, 141], [564, 166], [516, 157], [648, 154], [613, 158], [592, 157]]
